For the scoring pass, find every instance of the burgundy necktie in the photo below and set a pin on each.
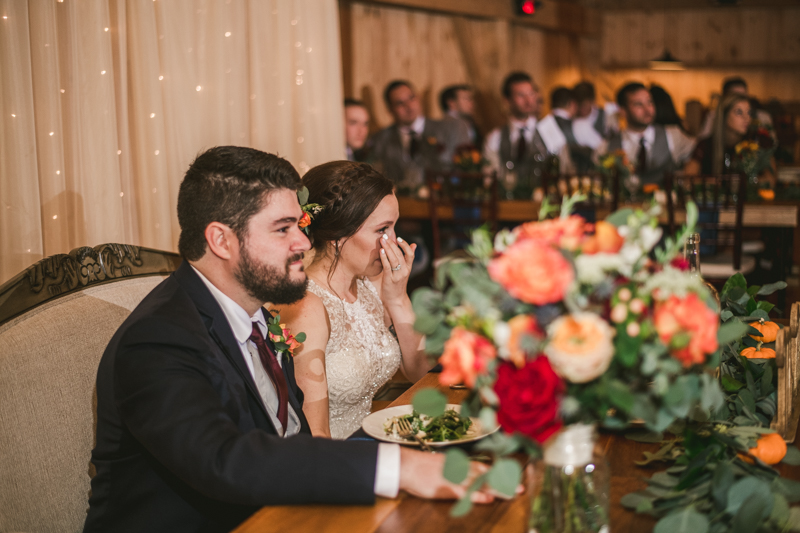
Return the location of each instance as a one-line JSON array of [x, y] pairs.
[[413, 145], [641, 158], [521, 145], [275, 373]]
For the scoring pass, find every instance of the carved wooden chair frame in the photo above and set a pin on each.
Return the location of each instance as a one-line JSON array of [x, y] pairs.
[[63, 274]]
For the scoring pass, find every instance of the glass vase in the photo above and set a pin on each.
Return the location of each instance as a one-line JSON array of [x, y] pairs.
[[571, 484]]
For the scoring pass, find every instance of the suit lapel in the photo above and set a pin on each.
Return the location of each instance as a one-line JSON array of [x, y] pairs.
[[218, 328]]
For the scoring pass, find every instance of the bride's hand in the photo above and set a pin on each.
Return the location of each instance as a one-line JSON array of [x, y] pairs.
[[396, 268]]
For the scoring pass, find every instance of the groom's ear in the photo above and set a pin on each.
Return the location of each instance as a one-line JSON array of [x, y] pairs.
[[221, 241]]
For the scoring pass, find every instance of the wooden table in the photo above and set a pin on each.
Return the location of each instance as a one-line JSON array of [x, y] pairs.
[[410, 514], [761, 215]]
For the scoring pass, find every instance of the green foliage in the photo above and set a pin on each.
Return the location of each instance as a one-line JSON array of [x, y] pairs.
[[456, 465], [429, 402], [709, 487]]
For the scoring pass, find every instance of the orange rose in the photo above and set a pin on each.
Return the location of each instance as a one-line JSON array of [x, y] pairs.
[[520, 325], [305, 220], [649, 188], [688, 327], [566, 233], [533, 271], [466, 355], [581, 346], [606, 239]]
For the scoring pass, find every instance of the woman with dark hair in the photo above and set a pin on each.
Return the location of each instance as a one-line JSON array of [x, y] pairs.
[[666, 115], [356, 313]]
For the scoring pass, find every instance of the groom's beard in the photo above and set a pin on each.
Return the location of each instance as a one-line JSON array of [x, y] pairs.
[[267, 283]]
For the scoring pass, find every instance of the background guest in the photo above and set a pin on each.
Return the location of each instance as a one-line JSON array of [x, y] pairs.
[[458, 103], [666, 115], [356, 129], [653, 149], [732, 85], [517, 146], [414, 142], [591, 124], [563, 108]]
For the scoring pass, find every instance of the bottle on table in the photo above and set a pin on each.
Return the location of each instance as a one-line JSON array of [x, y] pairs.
[[691, 252]]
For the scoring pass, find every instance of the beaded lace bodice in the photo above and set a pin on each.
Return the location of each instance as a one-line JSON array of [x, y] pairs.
[[361, 355]]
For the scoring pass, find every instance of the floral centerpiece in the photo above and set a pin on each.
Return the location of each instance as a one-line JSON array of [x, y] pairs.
[[753, 156], [468, 158], [561, 325]]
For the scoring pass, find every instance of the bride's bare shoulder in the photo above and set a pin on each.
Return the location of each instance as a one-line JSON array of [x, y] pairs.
[[309, 310]]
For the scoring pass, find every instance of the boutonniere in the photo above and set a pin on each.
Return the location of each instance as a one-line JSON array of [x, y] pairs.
[[309, 210], [282, 337]]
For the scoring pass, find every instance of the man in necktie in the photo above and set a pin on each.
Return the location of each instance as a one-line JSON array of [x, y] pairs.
[[414, 142], [199, 419], [654, 149], [516, 147]]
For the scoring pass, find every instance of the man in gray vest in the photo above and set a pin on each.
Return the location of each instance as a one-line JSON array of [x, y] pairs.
[[563, 108], [414, 143], [654, 150], [516, 151]]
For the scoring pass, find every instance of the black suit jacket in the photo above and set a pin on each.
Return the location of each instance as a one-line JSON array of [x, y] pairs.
[[184, 442]]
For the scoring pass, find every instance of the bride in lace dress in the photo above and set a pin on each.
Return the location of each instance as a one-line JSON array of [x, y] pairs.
[[356, 314]]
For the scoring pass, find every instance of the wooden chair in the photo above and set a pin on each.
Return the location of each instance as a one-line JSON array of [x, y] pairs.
[[601, 190], [787, 360], [718, 198], [56, 319], [472, 196]]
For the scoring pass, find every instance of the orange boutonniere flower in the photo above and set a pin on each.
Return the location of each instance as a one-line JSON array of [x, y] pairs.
[[282, 337]]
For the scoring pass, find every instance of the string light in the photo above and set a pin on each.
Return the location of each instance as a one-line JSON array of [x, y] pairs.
[[5, 17], [119, 152], [227, 34], [13, 115], [106, 29], [300, 140], [58, 172], [63, 91], [52, 133], [121, 194], [299, 72], [156, 152], [161, 78], [198, 88], [55, 217], [152, 115], [102, 72]]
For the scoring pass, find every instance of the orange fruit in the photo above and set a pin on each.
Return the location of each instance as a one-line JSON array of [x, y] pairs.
[[763, 353], [770, 448]]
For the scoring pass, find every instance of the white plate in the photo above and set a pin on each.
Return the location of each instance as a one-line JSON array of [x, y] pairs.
[[373, 426]]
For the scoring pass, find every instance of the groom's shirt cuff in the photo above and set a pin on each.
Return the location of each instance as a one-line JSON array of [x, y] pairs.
[[387, 471]]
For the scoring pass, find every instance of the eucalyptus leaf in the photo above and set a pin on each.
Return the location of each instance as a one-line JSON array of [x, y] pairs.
[[771, 287], [742, 490], [302, 195], [620, 217], [720, 483], [731, 384], [456, 465], [731, 331], [683, 521], [504, 476], [462, 506], [620, 395], [752, 512], [792, 456], [780, 510], [429, 402], [300, 337]]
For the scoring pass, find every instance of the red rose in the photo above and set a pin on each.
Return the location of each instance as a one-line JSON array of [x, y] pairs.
[[529, 398], [680, 263]]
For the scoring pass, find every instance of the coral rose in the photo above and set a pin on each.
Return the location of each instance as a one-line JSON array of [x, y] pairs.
[[466, 355], [566, 233], [533, 271], [606, 239], [305, 220], [688, 327], [581, 346], [529, 399]]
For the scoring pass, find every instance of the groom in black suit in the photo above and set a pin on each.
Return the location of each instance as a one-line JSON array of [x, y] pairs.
[[199, 417]]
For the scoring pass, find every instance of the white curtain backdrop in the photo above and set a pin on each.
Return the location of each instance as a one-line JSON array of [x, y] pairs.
[[106, 102]]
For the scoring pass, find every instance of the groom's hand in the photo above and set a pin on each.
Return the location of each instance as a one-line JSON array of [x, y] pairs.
[[421, 475]]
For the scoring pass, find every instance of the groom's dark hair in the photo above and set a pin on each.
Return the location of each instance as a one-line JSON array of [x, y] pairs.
[[227, 184]]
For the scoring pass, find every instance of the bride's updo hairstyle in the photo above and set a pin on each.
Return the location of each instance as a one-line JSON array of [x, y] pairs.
[[349, 192]]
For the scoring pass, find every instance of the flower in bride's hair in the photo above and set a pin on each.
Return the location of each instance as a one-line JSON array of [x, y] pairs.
[[466, 355], [305, 220], [533, 271], [529, 398], [581, 346]]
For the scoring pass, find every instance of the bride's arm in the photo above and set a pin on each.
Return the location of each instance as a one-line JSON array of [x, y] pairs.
[[392, 288], [309, 315]]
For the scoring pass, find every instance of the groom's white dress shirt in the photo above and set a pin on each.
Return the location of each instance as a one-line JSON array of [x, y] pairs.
[[387, 475]]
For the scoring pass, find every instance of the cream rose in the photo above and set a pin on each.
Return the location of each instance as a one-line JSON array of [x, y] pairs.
[[580, 346]]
